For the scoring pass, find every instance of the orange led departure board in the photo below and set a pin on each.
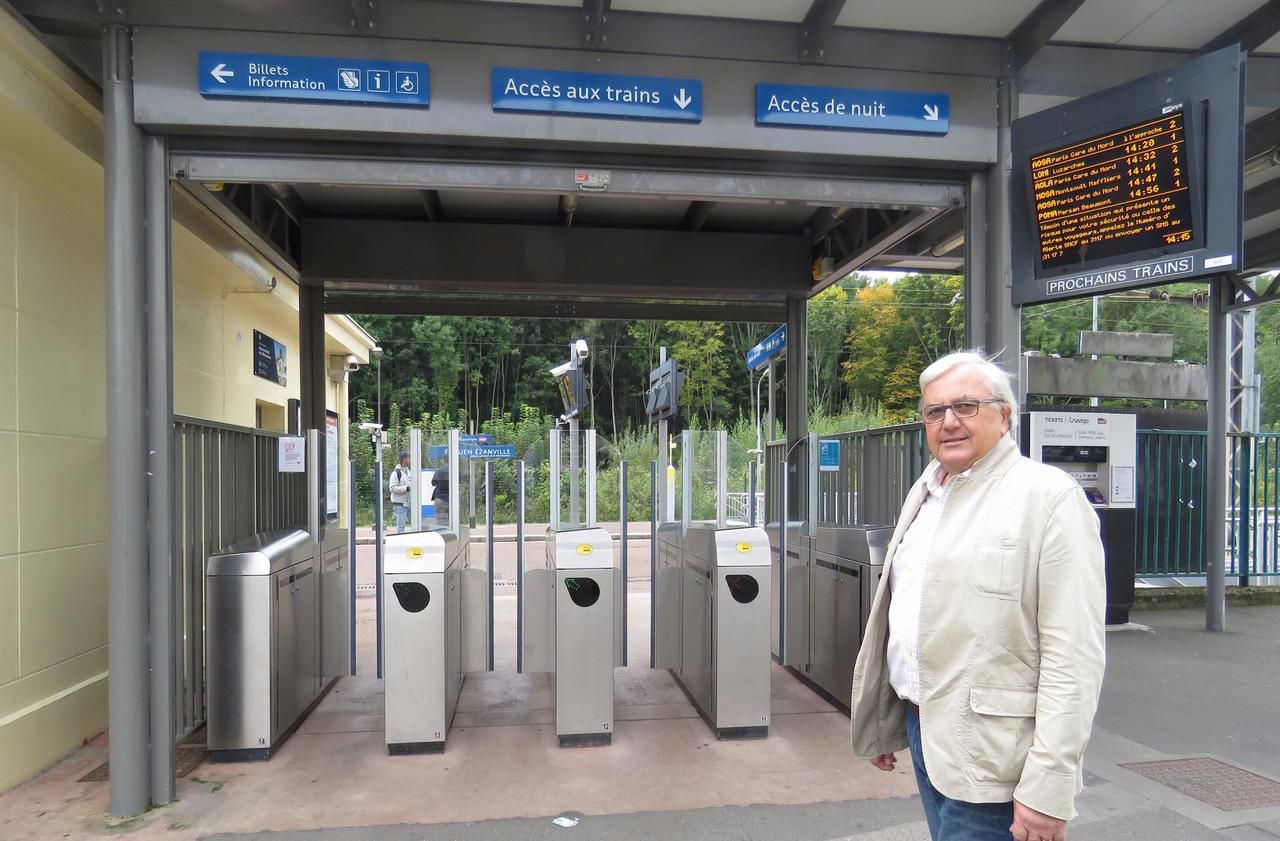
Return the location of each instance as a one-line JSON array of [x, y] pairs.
[[1114, 194]]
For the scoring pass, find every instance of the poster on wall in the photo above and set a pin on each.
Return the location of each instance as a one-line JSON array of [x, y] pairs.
[[331, 462], [270, 358], [293, 454]]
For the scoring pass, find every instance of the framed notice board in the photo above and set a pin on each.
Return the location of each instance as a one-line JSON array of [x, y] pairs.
[[270, 358], [1135, 186]]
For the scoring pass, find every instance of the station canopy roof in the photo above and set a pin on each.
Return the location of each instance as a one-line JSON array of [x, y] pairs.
[[1053, 50]]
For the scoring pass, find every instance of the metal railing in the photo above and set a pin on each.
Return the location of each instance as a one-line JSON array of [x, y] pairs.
[[876, 470], [738, 507], [227, 487]]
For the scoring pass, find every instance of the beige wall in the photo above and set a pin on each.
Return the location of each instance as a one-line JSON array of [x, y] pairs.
[[53, 570]]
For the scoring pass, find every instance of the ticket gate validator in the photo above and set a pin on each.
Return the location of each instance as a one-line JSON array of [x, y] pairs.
[[423, 622], [713, 622], [571, 630]]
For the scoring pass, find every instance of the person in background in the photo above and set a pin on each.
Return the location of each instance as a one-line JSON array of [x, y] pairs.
[[398, 484], [985, 646], [440, 493]]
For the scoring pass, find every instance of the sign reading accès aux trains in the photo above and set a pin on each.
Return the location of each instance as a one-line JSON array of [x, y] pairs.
[[597, 94], [853, 109], [311, 78]]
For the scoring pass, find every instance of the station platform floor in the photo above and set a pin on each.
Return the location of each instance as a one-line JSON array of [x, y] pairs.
[[1172, 693]]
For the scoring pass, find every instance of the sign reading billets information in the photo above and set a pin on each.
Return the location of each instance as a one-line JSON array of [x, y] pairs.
[[772, 345], [1135, 186], [311, 78], [853, 109], [597, 94], [483, 451]]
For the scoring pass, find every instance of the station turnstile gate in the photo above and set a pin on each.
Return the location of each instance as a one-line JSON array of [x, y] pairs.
[[423, 616], [713, 623]]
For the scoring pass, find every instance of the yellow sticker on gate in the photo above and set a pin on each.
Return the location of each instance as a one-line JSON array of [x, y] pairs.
[[744, 547], [413, 552], [585, 549]]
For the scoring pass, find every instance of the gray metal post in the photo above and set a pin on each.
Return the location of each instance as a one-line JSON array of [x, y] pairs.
[[1004, 320], [554, 456], [128, 585], [686, 480], [975, 262], [784, 522], [379, 534], [1215, 467], [575, 508], [590, 442], [488, 527], [653, 563], [351, 559], [520, 567], [163, 617], [773, 413], [751, 492], [622, 517], [415, 479], [664, 460], [316, 484], [797, 370], [455, 482], [722, 478]]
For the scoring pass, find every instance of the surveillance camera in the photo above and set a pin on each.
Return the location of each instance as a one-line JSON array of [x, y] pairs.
[[580, 349], [562, 369], [352, 365], [370, 427]]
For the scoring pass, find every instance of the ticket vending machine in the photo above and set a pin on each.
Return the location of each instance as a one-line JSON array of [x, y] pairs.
[[1098, 450]]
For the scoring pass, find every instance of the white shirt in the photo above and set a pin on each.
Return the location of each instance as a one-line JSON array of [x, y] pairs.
[[906, 586]]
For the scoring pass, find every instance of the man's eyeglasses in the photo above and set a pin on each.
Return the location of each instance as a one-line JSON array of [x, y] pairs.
[[961, 409]]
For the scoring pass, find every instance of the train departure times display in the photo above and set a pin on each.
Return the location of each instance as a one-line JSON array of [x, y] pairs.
[[1117, 193]]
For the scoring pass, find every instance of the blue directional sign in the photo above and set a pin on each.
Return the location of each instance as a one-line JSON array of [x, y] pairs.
[[773, 344], [503, 451], [853, 109], [828, 456], [353, 80], [597, 94]]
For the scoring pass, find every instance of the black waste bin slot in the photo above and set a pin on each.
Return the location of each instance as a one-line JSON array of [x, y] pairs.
[[743, 588], [413, 597], [584, 591]]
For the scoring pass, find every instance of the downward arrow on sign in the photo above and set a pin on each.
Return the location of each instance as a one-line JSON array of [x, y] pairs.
[[683, 100], [931, 113]]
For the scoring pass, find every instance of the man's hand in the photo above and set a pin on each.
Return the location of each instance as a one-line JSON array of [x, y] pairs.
[[885, 761], [1030, 825]]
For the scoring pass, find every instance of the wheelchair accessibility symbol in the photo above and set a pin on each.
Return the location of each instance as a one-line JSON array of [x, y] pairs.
[[407, 82]]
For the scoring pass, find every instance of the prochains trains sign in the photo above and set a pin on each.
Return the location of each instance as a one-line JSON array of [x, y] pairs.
[[1135, 186]]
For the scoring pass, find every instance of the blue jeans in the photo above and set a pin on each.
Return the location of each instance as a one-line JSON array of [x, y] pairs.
[[955, 820], [402, 515]]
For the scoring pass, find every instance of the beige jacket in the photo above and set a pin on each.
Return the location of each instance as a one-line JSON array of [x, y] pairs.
[[1012, 640]]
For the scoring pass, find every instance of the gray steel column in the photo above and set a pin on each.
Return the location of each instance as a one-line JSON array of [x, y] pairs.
[[1215, 462], [520, 567], [797, 370], [311, 350], [128, 585], [975, 262], [773, 415], [1004, 320], [622, 517], [160, 468], [654, 502]]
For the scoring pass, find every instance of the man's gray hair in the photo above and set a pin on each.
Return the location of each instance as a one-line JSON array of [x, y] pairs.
[[997, 379]]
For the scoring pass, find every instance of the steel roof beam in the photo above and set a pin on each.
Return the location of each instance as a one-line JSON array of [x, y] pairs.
[[1250, 33], [1038, 28], [816, 30], [516, 307], [1263, 252], [868, 251], [1262, 200], [1262, 134], [595, 15], [697, 214], [431, 204]]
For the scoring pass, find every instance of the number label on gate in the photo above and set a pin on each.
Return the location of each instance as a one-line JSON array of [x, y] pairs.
[[414, 552], [744, 547], [585, 549]]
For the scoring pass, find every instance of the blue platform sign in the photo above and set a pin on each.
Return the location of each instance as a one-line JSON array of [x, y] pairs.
[[597, 94], [304, 77], [828, 456], [773, 344], [503, 451], [853, 109]]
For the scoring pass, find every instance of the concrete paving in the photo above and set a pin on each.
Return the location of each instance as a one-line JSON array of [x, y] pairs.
[[1170, 692]]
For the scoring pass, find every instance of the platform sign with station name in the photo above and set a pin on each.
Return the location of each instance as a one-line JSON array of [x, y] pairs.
[[853, 109], [487, 451], [772, 345], [1135, 186], [314, 79], [597, 94]]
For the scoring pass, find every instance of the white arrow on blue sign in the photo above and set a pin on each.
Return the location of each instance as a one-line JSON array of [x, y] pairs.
[[772, 345], [315, 79], [854, 109], [597, 94]]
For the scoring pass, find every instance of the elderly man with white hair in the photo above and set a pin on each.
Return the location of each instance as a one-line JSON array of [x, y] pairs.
[[984, 648]]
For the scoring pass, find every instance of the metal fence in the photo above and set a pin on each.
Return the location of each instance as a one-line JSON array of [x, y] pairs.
[[876, 470], [227, 487]]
